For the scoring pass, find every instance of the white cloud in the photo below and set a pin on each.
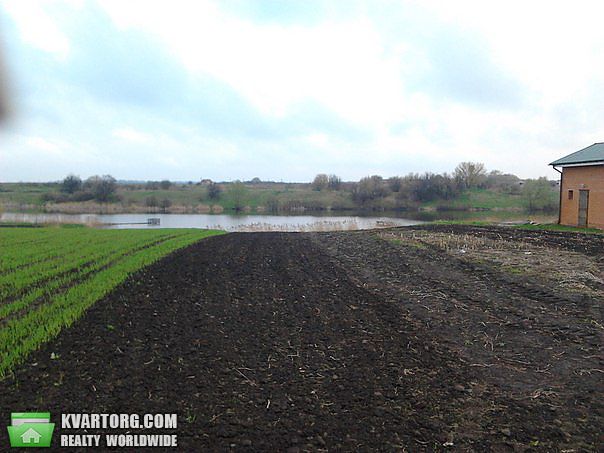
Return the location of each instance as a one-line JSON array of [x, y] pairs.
[[551, 46], [132, 135], [41, 144], [380, 71], [37, 26], [341, 64]]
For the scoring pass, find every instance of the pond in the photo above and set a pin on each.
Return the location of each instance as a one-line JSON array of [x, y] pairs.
[[253, 222], [216, 221]]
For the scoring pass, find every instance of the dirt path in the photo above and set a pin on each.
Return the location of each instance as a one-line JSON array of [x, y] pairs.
[[274, 341]]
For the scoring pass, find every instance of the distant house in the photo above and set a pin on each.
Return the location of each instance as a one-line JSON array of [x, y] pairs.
[[582, 187]]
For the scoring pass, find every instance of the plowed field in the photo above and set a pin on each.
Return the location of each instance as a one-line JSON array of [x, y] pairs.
[[406, 339]]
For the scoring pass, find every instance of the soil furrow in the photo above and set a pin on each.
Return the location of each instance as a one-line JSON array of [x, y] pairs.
[[328, 342]]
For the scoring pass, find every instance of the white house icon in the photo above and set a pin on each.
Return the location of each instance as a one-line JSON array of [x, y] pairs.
[[31, 435]]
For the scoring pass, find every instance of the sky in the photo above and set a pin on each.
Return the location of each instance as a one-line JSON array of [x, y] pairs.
[[284, 90]]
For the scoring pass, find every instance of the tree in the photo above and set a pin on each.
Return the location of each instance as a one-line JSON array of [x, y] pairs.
[[395, 183], [407, 187], [165, 184], [470, 174], [238, 195], [430, 187], [334, 182], [502, 182], [369, 188], [537, 194], [102, 188], [214, 191], [273, 204], [151, 202], [71, 184], [165, 204], [321, 182]]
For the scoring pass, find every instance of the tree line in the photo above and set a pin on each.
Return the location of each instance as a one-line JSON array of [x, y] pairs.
[[72, 188], [421, 187], [370, 192], [427, 187]]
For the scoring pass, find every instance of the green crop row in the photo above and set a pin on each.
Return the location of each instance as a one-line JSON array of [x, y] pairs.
[[18, 257], [48, 295], [79, 270], [70, 260]]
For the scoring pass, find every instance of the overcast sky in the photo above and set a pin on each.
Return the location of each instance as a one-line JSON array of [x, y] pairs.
[[283, 90]]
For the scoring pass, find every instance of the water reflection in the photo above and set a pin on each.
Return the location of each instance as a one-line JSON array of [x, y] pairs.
[[315, 222], [217, 221]]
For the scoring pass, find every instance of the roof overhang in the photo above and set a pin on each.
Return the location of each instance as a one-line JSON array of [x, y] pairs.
[[579, 164]]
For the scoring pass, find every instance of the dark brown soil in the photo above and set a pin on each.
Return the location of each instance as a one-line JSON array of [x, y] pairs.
[[335, 342]]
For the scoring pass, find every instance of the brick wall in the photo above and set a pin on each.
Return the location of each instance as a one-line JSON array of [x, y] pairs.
[[577, 178]]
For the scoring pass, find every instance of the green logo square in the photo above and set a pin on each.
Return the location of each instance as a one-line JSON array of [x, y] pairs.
[[30, 429]]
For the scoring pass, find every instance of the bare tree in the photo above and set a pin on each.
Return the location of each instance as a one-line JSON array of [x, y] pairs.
[[102, 188], [369, 188], [321, 182], [152, 203], [165, 204], [334, 182], [395, 183], [470, 174]]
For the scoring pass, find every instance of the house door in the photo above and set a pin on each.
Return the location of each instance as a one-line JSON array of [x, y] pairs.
[[583, 204]]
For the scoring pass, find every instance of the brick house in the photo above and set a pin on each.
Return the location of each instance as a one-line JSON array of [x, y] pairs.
[[582, 187]]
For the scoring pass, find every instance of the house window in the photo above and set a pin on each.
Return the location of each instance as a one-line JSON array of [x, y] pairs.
[[570, 194]]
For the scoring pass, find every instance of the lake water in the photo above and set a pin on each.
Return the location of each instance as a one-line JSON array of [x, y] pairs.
[[217, 221], [322, 221]]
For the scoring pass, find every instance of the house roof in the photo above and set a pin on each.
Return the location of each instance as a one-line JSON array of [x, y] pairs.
[[31, 433], [593, 154]]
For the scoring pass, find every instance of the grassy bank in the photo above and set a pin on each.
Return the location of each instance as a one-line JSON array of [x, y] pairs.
[[49, 276], [264, 197], [482, 199]]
